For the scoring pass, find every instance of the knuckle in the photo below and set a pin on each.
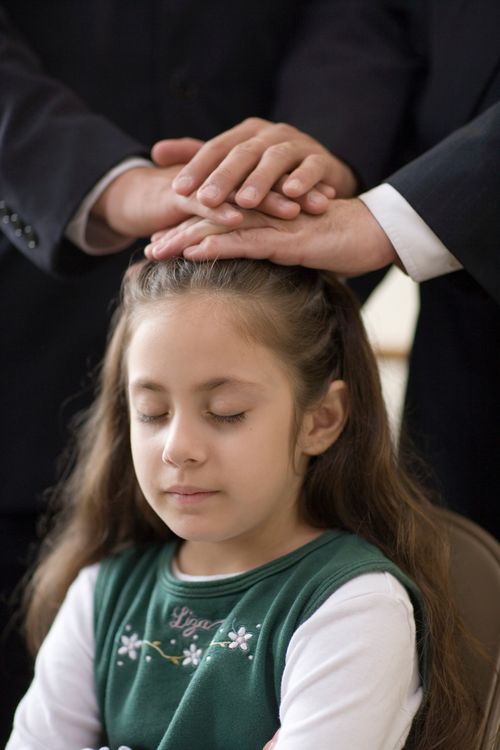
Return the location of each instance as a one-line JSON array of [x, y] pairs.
[[252, 147], [285, 130], [210, 243], [214, 147], [315, 160], [280, 150], [223, 173], [253, 122]]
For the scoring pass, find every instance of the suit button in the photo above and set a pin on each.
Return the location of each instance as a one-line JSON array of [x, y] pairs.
[[30, 236]]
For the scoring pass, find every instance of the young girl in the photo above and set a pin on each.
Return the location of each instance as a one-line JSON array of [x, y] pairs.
[[238, 552]]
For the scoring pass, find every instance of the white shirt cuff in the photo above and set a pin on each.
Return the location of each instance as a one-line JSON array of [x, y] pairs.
[[421, 251], [90, 234]]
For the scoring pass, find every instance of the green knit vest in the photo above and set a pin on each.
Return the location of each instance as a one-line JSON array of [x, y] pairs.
[[198, 666]]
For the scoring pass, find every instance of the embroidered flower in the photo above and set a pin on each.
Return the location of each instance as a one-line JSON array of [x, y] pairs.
[[239, 639], [130, 645], [192, 655]]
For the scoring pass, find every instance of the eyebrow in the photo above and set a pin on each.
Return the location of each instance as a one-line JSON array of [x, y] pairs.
[[208, 385]]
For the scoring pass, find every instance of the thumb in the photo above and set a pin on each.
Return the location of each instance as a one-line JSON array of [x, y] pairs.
[[175, 151]]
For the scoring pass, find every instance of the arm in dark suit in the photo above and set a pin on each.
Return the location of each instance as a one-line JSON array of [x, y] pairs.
[[455, 188], [51, 143]]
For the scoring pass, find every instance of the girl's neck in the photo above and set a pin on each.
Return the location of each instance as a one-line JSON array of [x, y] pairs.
[[236, 556]]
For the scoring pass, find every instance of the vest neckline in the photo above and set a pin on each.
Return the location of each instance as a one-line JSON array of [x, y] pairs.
[[240, 581]]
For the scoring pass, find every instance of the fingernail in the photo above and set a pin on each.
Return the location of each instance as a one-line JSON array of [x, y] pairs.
[[231, 213], [248, 194], [316, 198], [210, 191], [284, 201], [183, 182], [294, 185], [157, 248]]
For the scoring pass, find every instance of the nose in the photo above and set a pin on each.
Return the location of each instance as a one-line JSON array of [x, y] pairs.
[[183, 443]]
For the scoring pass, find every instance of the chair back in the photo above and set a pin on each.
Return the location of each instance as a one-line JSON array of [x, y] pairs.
[[475, 570]]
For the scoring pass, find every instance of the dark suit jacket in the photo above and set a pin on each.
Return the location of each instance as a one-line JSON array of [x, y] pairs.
[[448, 153]]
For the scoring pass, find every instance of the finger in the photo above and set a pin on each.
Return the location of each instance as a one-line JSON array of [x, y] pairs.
[[314, 202], [276, 161], [212, 153], [175, 151], [226, 213], [232, 246], [164, 234], [257, 163], [276, 204], [327, 190], [232, 171], [257, 243], [186, 237], [311, 171]]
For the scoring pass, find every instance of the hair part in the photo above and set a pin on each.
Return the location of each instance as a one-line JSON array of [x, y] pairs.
[[312, 322]]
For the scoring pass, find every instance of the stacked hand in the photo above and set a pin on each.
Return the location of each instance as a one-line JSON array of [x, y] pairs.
[[260, 190], [253, 158], [339, 235], [142, 200]]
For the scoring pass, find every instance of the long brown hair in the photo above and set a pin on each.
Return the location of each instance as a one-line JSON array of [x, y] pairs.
[[312, 322]]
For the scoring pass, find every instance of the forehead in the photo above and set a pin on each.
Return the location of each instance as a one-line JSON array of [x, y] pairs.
[[198, 338]]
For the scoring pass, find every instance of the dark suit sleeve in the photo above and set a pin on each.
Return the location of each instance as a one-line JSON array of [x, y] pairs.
[[348, 80], [53, 150], [455, 188]]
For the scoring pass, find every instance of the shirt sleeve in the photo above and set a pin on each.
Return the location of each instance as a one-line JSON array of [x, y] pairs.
[[421, 252], [59, 711], [351, 675]]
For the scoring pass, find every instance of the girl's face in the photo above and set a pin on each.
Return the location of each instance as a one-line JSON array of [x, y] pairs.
[[212, 419]]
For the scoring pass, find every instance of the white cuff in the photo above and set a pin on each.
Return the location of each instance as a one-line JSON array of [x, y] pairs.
[[90, 234], [421, 251]]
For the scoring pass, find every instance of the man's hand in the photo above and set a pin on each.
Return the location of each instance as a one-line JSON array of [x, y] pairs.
[[253, 158], [141, 201], [346, 239]]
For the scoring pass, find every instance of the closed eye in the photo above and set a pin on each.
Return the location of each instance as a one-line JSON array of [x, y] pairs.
[[228, 418], [149, 418]]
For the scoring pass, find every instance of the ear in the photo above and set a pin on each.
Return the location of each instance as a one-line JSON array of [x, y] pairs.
[[323, 424]]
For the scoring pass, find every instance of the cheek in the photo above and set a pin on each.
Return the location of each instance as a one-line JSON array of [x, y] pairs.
[[143, 455], [267, 448]]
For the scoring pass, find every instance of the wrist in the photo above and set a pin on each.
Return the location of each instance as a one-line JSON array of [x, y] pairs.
[[107, 209], [363, 244], [378, 247]]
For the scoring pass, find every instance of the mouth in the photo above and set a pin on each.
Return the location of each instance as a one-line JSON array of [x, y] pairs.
[[189, 495]]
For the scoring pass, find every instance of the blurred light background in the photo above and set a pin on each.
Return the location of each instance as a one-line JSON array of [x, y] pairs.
[[389, 317]]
